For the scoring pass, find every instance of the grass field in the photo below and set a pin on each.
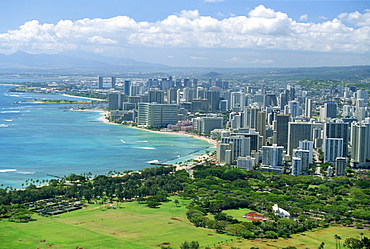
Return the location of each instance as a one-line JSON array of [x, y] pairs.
[[132, 226], [137, 226], [239, 213]]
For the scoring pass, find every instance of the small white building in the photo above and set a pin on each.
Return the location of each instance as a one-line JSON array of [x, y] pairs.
[[281, 212]]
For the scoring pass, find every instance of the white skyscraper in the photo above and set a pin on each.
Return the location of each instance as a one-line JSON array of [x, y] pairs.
[[240, 145], [273, 155], [246, 163], [308, 108], [363, 94], [294, 109], [307, 145], [333, 148], [360, 134], [304, 156]]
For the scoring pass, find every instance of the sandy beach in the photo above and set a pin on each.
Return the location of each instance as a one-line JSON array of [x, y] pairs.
[[81, 97], [178, 133]]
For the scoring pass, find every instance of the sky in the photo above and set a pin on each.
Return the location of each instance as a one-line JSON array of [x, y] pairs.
[[193, 33]]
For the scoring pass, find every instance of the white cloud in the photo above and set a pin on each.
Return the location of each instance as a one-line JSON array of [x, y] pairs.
[[263, 28], [356, 18], [234, 59], [100, 40], [258, 61], [197, 58], [303, 17]]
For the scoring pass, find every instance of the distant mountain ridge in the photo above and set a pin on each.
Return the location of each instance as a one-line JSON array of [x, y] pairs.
[[72, 61]]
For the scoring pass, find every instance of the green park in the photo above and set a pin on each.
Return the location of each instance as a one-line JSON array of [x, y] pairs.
[[134, 225], [163, 208]]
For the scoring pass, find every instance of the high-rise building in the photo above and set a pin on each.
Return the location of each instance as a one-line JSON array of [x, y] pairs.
[[333, 148], [338, 129], [224, 153], [240, 145], [208, 124], [115, 100], [282, 122], [114, 82], [304, 156], [296, 166], [294, 108], [251, 116], [360, 134], [270, 100], [101, 82], [340, 166], [308, 108], [126, 87], [255, 139], [213, 98], [188, 94], [298, 131], [224, 105], [157, 115], [246, 163], [308, 146], [156, 96], [172, 96], [134, 90], [237, 100], [283, 99], [330, 109], [261, 125], [273, 156], [363, 94]]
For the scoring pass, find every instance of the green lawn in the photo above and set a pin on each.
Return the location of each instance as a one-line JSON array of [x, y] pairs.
[[137, 226], [239, 213], [131, 226]]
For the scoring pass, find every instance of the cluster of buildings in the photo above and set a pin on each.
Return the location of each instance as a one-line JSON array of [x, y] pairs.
[[277, 128]]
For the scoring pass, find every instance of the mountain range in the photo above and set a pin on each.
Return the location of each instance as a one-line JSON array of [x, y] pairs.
[[72, 62]]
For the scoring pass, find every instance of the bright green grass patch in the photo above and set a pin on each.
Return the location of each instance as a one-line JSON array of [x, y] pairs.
[[131, 226], [239, 213]]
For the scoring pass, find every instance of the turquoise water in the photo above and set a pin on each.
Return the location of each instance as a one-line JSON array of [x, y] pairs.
[[41, 139]]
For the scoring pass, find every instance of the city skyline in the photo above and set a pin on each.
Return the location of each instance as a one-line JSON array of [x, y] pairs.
[[197, 33]]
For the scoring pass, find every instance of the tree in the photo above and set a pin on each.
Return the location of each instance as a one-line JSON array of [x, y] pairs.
[[176, 202], [191, 245], [337, 240], [353, 243], [153, 204], [366, 242], [235, 229]]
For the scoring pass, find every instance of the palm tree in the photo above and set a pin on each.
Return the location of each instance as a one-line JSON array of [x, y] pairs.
[[321, 245], [337, 241]]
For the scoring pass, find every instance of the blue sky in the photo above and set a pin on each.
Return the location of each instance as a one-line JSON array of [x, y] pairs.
[[226, 33]]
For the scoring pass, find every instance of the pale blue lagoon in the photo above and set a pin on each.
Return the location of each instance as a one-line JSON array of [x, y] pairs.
[[37, 140]]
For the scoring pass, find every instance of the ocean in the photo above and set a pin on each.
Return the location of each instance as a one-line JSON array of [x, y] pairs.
[[37, 140]]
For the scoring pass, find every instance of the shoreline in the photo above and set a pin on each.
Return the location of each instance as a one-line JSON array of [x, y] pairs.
[[81, 97], [202, 157], [178, 133]]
